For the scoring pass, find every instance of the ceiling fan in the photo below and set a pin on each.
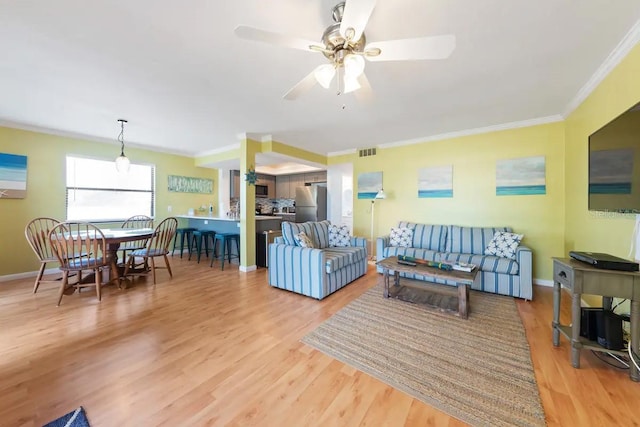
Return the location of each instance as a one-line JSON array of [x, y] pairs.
[[345, 46]]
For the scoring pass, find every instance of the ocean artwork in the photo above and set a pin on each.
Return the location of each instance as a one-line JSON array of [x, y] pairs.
[[13, 176], [521, 177], [369, 183], [610, 171], [435, 182]]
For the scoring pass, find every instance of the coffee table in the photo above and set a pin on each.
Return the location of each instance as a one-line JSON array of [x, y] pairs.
[[450, 299]]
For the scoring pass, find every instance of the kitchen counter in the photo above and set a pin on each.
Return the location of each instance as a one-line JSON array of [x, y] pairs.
[[224, 218]]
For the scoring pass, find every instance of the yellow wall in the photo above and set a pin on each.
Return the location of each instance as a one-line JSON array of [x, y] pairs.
[[540, 217], [46, 187], [597, 231]]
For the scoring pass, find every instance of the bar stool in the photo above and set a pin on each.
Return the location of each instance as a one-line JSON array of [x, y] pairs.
[[184, 233], [225, 240], [200, 237]]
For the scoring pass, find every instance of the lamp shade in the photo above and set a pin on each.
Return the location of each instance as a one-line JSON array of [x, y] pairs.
[[350, 84], [353, 65], [122, 163], [381, 194], [324, 74]]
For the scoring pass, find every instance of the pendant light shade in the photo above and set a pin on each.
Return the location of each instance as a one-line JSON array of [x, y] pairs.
[[122, 161]]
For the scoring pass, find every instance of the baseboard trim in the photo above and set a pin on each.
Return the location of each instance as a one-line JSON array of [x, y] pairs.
[[248, 268], [543, 282], [26, 275]]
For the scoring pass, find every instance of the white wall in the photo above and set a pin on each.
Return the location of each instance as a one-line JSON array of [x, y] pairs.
[[340, 190]]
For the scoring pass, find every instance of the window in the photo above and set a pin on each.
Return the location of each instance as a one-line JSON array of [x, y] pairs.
[[97, 192]]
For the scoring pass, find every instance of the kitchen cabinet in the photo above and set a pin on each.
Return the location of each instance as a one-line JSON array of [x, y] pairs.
[[318, 176], [295, 181], [234, 181], [270, 182], [282, 187]]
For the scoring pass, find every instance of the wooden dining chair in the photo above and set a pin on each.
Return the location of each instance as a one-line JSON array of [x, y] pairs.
[[158, 245], [136, 221], [78, 247], [37, 234]]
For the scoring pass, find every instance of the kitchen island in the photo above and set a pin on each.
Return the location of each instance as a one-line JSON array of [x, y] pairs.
[[231, 225]]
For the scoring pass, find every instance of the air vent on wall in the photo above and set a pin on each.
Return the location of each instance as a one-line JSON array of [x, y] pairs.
[[366, 152]]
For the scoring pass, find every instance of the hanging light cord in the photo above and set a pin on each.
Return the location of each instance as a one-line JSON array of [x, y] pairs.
[[121, 138]]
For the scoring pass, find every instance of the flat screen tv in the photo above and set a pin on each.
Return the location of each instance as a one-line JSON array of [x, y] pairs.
[[614, 164]]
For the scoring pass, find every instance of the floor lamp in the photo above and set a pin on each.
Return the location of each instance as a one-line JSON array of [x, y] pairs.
[[379, 196]]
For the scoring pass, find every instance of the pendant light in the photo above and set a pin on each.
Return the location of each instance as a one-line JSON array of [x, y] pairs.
[[122, 162]]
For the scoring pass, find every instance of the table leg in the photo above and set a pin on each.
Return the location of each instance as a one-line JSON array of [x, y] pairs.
[[396, 279], [556, 314], [463, 297], [114, 274], [385, 280], [575, 330], [635, 337]]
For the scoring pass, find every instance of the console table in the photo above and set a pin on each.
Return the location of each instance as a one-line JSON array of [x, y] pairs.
[[581, 278]]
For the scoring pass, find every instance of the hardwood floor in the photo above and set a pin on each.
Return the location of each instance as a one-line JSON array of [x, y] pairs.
[[222, 348]]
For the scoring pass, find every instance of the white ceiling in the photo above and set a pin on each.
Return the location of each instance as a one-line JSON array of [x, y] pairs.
[[188, 85]]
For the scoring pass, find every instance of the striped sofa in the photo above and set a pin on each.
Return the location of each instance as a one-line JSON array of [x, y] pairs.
[[466, 244], [316, 272]]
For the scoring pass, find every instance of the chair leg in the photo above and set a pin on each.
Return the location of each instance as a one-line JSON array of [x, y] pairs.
[[166, 261], [175, 239], [98, 274], [153, 270], [65, 280], [39, 276]]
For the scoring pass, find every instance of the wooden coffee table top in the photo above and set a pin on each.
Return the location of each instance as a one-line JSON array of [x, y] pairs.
[[461, 277]]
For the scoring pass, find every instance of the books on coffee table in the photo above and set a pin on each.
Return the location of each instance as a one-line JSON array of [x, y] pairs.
[[462, 266]]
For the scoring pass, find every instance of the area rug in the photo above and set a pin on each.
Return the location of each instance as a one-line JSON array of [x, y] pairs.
[[478, 370], [76, 418]]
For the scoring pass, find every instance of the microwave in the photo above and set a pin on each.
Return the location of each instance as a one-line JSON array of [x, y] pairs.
[[262, 191]]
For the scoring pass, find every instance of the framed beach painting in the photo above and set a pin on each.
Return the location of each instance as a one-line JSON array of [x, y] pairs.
[[435, 182], [522, 176], [13, 176], [187, 184], [369, 183]]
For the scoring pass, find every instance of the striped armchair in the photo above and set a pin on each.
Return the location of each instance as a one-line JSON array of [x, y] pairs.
[[453, 243], [314, 272]]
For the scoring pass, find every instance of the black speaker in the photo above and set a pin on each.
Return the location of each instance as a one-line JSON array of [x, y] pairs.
[[589, 322], [610, 330]]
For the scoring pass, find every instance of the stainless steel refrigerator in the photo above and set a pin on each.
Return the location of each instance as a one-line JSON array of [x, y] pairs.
[[311, 203]]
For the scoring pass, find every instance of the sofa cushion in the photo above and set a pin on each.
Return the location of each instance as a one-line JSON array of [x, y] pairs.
[[401, 237], [303, 240], [426, 236], [412, 252], [490, 263], [337, 258], [339, 236], [470, 240], [320, 233], [504, 244], [290, 229]]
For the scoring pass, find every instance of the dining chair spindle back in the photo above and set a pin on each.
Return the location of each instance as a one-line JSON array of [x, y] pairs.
[[37, 234], [79, 246], [136, 221], [158, 245]]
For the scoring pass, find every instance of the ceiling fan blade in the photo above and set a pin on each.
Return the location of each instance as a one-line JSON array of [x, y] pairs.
[[364, 95], [356, 15], [255, 34], [437, 47], [303, 86]]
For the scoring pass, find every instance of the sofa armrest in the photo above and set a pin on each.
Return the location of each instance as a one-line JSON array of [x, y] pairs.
[[524, 256], [298, 269], [381, 243], [359, 241]]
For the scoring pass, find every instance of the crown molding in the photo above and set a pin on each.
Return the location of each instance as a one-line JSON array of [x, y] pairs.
[[469, 132], [615, 57], [90, 138], [217, 150], [342, 152]]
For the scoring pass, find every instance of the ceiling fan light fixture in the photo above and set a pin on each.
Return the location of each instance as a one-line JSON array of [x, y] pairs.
[[351, 84], [324, 74], [353, 65]]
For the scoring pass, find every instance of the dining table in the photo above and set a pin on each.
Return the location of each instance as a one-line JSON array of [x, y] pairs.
[[114, 237]]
